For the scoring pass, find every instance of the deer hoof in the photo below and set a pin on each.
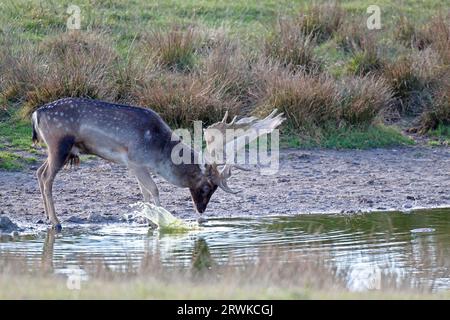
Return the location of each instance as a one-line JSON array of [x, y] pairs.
[[57, 227], [201, 220]]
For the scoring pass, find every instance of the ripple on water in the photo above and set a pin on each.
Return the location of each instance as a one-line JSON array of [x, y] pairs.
[[384, 241]]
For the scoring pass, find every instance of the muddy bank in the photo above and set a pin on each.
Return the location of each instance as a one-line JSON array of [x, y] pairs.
[[310, 181]]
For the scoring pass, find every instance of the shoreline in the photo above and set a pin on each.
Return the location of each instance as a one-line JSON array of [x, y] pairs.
[[318, 181]]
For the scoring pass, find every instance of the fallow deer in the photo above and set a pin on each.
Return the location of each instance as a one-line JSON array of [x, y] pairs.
[[133, 136]]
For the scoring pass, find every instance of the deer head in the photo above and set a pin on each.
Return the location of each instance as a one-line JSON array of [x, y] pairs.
[[223, 140]]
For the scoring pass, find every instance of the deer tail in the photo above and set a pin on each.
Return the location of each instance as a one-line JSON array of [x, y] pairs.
[[35, 123]]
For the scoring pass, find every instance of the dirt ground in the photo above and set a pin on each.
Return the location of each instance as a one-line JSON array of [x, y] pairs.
[[311, 181]]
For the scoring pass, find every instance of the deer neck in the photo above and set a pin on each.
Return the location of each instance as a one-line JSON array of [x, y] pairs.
[[184, 174]]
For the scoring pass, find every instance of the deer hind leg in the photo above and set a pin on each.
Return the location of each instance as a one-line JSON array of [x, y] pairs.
[[39, 173], [58, 154], [147, 185]]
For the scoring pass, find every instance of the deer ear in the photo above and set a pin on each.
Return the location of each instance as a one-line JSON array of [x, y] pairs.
[[207, 169], [203, 167]]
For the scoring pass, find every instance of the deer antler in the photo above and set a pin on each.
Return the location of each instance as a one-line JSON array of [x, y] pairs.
[[244, 131]]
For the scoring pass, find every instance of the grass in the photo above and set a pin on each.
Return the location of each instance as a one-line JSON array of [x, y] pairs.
[[32, 287], [36, 18], [10, 161], [442, 134], [193, 60], [377, 136], [15, 134], [14, 141], [270, 275]]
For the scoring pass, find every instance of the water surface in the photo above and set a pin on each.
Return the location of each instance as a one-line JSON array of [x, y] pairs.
[[407, 244]]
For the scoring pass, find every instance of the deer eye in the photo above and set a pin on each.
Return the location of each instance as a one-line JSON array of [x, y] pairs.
[[205, 189]]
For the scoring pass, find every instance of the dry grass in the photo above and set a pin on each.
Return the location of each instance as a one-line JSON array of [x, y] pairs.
[[315, 101], [364, 99], [321, 20], [307, 100], [71, 64], [228, 69], [190, 73], [407, 33], [181, 99], [366, 57], [353, 35], [300, 275], [408, 86], [420, 85], [436, 34], [174, 49], [292, 47], [439, 112]]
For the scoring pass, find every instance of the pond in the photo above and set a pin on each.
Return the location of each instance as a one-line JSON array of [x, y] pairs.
[[415, 243]]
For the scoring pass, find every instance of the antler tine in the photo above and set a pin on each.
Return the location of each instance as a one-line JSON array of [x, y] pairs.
[[225, 117], [241, 168], [233, 121], [270, 116], [260, 126], [224, 186]]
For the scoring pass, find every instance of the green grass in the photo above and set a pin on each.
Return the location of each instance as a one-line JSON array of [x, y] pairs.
[[16, 135], [10, 161], [13, 162], [376, 136], [123, 19], [15, 139], [442, 133]]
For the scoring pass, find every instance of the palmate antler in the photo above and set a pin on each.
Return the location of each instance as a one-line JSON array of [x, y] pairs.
[[226, 139]]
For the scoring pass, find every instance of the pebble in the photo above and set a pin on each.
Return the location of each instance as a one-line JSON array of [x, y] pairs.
[[7, 226]]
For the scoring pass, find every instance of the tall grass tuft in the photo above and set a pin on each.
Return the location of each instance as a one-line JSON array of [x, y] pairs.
[[353, 35], [175, 48], [321, 20], [363, 99], [435, 34], [289, 45], [181, 99], [406, 84], [414, 79], [68, 65], [365, 57], [437, 113], [77, 65], [407, 34], [308, 101], [228, 70], [438, 33]]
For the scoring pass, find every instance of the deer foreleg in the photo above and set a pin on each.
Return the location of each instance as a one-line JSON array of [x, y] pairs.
[[49, 177], [147, 184], [144, 191]]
